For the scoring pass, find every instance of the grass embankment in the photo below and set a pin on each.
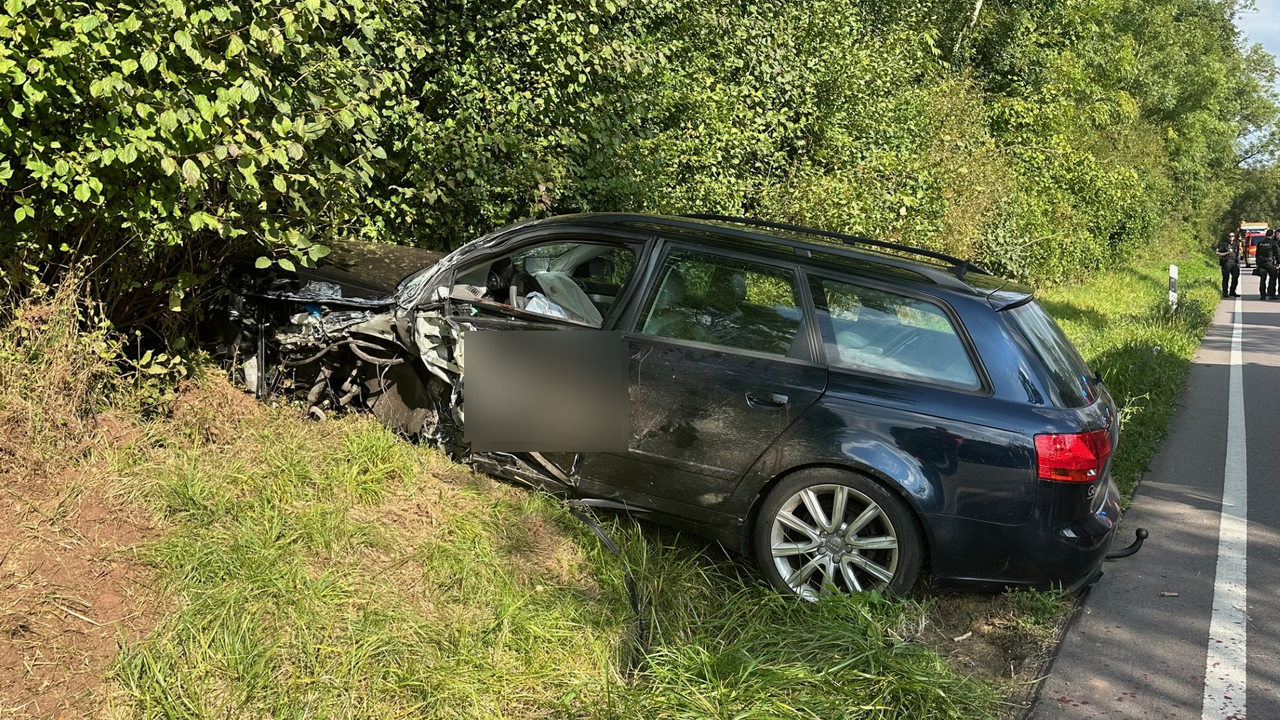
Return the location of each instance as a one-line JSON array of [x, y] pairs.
[[299, 569], [334, 570], [1121, 323]]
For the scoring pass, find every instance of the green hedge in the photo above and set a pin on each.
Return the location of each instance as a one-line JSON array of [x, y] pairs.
[[154, 137]]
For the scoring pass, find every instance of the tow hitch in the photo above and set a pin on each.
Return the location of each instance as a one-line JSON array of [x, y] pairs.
[[1139, 535]]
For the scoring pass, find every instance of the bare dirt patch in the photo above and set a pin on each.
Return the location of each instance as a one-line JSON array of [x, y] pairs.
[[991, 638], [69, 592]]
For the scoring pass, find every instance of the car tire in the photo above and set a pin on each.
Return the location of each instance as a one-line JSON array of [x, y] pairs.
[[807, 554]]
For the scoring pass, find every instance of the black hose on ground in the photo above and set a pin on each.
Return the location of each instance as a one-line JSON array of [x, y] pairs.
[[640, 637], [641, 630]]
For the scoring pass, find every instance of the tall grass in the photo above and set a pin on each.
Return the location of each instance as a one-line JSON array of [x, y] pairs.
[[55, 373], [332, 570]]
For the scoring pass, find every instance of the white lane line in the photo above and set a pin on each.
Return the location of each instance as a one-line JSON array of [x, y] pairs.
[[1224, 669]]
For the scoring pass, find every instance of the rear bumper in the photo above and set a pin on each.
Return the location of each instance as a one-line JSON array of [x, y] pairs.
[[1045, 552]]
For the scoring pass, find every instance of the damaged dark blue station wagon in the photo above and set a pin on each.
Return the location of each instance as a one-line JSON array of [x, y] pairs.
[[846, 411]]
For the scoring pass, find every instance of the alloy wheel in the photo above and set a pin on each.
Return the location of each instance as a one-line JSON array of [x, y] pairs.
[[833, 538]]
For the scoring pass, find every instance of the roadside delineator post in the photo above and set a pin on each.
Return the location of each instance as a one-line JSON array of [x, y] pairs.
[[1173, 287]]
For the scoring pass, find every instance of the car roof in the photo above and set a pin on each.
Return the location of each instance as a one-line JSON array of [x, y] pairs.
[[809, 246]]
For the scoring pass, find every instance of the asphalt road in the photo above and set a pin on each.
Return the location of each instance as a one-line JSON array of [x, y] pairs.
[[1190, 626]]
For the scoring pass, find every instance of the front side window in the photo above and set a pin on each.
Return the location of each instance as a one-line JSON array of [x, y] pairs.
[[726, 302], [575, 281], [884, 333]]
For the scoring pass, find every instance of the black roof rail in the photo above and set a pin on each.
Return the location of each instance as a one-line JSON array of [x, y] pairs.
[[961, 265]]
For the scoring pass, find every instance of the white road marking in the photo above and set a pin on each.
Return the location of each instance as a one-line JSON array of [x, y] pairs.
[[1224, 669]]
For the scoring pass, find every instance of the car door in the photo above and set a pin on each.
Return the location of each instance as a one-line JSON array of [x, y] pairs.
[[720, 364]]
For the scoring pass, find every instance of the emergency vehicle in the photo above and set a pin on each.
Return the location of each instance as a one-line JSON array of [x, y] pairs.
[[1250, 233]]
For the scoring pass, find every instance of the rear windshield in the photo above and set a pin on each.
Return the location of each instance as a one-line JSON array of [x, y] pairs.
[[1070, 377]]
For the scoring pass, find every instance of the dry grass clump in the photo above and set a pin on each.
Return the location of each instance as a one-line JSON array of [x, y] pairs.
[[55, 371]]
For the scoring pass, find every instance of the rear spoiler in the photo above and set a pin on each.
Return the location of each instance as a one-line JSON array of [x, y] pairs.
[[1005, 294], [1016, 302]]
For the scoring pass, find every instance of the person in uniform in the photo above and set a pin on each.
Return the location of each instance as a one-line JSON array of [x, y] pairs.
[[1267, 255], [1229, 260]]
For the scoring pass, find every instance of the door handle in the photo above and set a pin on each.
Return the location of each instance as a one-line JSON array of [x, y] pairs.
[[769, 402]]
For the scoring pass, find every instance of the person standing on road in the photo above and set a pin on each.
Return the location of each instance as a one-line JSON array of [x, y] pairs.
[[1267, 255], [1229, 260]]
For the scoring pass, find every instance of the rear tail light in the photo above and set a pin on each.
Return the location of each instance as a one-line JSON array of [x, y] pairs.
[[1078, 457]]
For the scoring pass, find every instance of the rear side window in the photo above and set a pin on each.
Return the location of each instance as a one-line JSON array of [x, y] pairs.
[[884, 333], [1069, 376]]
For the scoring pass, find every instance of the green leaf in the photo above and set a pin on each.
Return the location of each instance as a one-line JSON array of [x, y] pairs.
[[168, 165], [190, 172], [83, 191], [318, 251], [262, 263], [235, 46], [279, 183], [149, 60], [287, 264]]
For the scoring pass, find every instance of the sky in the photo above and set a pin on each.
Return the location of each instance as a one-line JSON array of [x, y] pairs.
[[1263, 26]]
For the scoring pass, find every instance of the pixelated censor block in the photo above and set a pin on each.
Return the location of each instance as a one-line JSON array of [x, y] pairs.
[[545, 391]]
